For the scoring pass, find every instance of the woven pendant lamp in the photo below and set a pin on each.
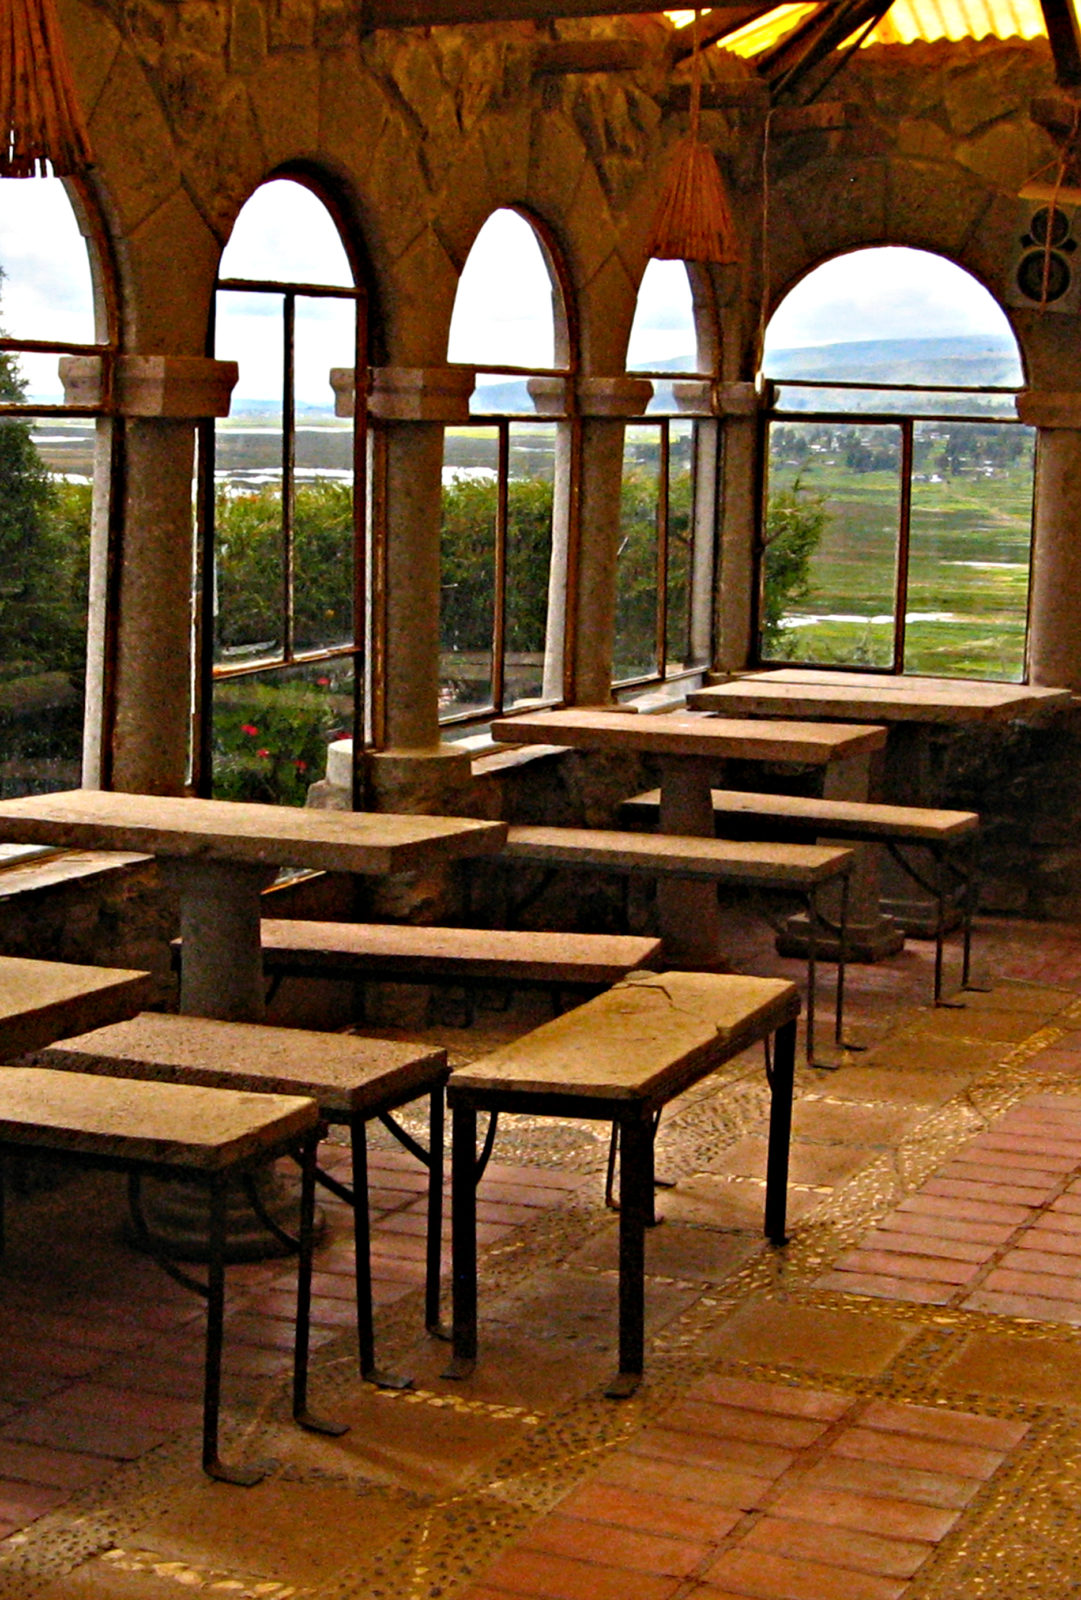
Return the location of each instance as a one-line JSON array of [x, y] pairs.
[[694, 218], [41, 125]]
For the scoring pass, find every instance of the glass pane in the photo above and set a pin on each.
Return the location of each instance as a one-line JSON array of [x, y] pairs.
[[663, 337], [44, 564], [271, 730], [891, 314], [909, 402], [831, 527], [467, 589], [501, 397], [503, 308], [285, 234], [249, 574], [325, 336], [680, 540], [47, 290], [529, 558], [968, 568], [635, 647]]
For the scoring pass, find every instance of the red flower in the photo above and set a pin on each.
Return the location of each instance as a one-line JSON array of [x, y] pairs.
[[263, 753], [323, 682], [249, 728], [301, 766]]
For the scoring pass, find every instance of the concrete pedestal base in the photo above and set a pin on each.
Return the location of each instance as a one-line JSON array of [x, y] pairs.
[[177, 1218], [867, 941]]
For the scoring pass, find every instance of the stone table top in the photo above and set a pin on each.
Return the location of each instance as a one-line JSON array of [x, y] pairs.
[[44, 1000], [866, 696], [170, 1124], [374, 843], [682, 733], [345, 1074], [644, 1038]]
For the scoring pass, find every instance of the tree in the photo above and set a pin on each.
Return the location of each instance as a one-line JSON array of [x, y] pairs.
[[795, 522]]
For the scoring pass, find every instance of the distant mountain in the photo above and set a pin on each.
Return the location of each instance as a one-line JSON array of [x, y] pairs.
[[967, 362]]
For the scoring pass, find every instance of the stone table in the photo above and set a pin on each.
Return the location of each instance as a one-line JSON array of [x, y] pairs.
[[45, 1000], [689, 747], [909, 707], [221, 854]]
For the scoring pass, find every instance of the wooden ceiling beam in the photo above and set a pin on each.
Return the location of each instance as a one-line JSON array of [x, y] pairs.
[[438, 13], [1061, 23]]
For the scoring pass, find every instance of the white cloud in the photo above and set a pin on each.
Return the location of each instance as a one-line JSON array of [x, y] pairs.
[[886, 293], [503, 307]]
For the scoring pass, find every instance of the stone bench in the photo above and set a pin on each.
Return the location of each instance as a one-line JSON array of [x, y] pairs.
[[798, 869], [469, 957], [621, 1058], [352, 1080], [950, 836], [175, 1131]]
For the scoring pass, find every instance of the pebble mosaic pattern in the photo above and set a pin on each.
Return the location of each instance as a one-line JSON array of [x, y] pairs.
[[886, 1408]]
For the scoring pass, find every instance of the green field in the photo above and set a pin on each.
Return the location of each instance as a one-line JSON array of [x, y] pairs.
[[970, 533]]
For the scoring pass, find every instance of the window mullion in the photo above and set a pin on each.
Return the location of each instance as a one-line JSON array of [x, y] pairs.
[[288, 469], [900, 607], [499, 609]]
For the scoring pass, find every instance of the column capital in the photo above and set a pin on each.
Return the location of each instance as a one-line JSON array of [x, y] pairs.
[[174, 387], [620, 396], [408, 394], [1050, 408]]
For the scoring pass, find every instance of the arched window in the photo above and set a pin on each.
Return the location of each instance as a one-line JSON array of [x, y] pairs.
[[47, 460], [898, 512], [663, 568], [281, 513], [503, 571]]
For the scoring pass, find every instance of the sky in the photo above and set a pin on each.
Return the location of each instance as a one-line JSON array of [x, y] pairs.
[[503, 309]]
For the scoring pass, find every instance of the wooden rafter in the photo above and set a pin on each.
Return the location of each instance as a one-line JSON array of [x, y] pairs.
[[787, 66], [714, 25], [1060, 20]]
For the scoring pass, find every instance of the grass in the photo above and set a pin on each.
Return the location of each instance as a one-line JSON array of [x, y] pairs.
[[968, 570]]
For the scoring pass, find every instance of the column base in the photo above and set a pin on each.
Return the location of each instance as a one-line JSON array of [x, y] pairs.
[[867, 942], [177, 1217], [918, 917]]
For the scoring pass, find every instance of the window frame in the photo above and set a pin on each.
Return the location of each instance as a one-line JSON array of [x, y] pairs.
[[208, 672], [108, 446], [905, 422], [700, 575]]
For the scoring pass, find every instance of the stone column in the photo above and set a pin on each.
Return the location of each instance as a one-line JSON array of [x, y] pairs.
[[694, 398], [160, 399], [738, 405], [602, 404], [1054, 641], [412, 770]]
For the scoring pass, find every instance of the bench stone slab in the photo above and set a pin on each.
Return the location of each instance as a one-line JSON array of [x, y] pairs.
[[344, 1074], [175, 1125], [847, 818], [677, 855], [358, 949], [645, 1039]]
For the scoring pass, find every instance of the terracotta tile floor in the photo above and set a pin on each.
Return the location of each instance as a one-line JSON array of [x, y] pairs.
[[888, 1407]]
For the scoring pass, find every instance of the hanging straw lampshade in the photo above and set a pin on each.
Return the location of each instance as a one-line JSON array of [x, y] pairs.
[[41, 125], [694, 218]]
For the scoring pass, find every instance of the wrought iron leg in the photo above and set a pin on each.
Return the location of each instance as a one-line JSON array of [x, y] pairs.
[[464, 1240], [635, 1209], [434, 1258], [812, 971], [780, 1131], [940, 929], [301, 1414], [971, 895], [215, 1319], [842, 960], [362, 1249]]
